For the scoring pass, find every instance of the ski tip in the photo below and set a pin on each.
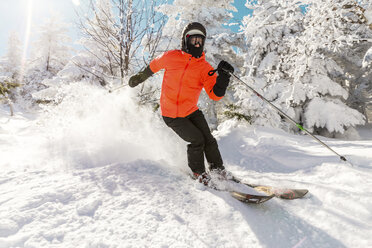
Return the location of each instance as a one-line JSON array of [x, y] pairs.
[[292, 194]]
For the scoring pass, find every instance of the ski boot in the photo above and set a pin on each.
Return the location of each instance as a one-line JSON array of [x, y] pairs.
[[203, 178]]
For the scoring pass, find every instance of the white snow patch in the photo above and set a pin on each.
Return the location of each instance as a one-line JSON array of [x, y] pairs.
[[322, 113], [97, 171], [368, 15], [88, 207], [367, 60], [7, 227]]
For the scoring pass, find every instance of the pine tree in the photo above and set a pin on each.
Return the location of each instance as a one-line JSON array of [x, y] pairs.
[[338, 31], [290, 63], [267, 33]]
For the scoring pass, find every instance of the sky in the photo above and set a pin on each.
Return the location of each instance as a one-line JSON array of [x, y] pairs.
[[15, 16]]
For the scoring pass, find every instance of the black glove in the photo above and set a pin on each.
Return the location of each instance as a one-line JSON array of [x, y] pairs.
[[225, 67], [223, 78], [140, 77]]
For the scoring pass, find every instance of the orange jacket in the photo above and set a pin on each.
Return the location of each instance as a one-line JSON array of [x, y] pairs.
[[184, 78]]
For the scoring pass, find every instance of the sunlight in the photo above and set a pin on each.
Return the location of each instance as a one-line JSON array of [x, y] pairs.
[[27, 36]]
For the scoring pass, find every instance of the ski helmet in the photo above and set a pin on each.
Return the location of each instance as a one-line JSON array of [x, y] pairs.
[[193, 28]]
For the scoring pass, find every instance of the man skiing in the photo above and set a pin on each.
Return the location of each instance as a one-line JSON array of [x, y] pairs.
[[186, 73]]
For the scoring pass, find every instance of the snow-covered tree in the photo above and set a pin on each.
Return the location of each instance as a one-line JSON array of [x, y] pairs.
[[290, 63], [266, 32], [348, 37], [11, 71], [115, 34], [119, 37], [10, 65], [97, 58], [366, 86], [50, 52]]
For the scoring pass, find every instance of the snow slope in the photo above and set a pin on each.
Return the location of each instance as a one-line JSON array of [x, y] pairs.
[[100, 172]]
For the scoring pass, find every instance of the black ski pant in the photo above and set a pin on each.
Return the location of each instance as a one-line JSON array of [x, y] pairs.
[[195, 130]]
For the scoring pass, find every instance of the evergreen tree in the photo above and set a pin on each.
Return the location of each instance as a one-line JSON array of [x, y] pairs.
[[267, 33], [347, 38], [290, 63]]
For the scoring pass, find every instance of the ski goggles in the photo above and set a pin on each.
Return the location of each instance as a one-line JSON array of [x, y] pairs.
[[195, 39]]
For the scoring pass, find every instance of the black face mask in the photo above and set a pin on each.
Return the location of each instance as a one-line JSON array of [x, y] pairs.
[[196, 52]]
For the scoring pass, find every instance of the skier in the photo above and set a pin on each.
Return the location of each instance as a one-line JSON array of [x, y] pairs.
[[186, 73]]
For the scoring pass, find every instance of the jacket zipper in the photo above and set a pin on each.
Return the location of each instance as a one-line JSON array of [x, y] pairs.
[[180, 85]]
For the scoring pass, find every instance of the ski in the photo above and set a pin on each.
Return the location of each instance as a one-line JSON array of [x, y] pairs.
[[250, 198], [283, 193], [269, 191], [241, 196]]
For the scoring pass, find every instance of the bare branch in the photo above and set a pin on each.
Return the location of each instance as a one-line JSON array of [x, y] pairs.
[[126, 32]]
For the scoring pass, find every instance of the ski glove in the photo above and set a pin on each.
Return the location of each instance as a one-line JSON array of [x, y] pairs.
[[224, 67], [223, 78], [140, 77]]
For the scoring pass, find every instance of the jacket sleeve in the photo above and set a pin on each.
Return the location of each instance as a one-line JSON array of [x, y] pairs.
[[209, 82], [159, 62]]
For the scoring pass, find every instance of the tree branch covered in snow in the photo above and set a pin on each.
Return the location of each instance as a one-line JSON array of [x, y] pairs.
[[291, 60], [118, 33]]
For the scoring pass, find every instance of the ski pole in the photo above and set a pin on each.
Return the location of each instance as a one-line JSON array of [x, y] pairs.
[[281, 112]]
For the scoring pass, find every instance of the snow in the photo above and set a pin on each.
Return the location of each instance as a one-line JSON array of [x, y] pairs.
[[367, 60], [319, 109], [99, 171], [368, 15]]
